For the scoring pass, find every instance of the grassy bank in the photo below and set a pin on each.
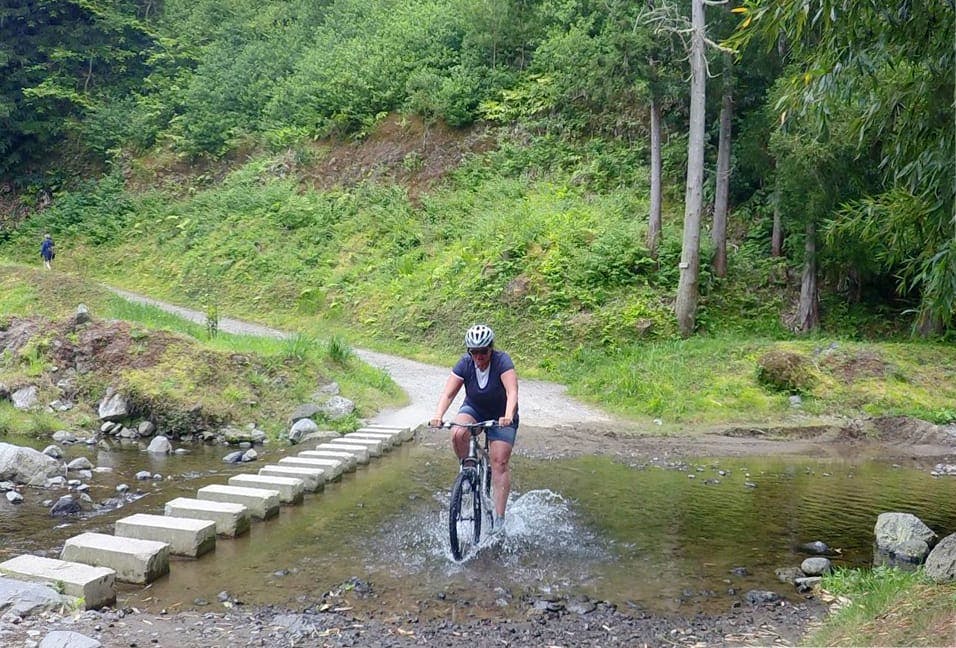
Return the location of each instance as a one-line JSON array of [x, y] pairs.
[[887, 607], [183, 375], [513, 237]]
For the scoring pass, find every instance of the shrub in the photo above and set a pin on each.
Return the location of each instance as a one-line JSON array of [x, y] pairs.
[[785, 371]]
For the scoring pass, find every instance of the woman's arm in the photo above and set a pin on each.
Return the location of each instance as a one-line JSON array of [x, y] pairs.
[[452, 387], [510, 381]]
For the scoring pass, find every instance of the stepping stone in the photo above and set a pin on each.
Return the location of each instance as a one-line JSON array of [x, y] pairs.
[[94, 586], [185, 536], [349, 460], [291, 490], [313, 479], [388, 440], [375, 447], [360, 454], [230, 519], [262, 503], [333, 468], [134, 561], [403, 433]]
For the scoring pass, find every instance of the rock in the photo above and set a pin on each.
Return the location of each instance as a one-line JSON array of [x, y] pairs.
[[25, 398], [143, 475], [817, 566], [14, 497], [815, 547], [160, 445], [233, 457], [64, 506], [82, 315], [80, 463], [941, 562], [249, 455], [307, 411], [301, 428], [68, 639], [146, 428], [756, 597], [53, 451], [26, 465], [807, 584], [24, 598], [337, 407], [64, 436], [113, 407], [903, 536]]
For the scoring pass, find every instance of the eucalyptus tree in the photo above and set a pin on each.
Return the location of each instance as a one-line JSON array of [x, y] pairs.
[[882, 74]]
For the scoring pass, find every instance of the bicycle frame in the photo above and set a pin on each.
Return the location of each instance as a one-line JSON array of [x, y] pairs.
[[474, 480]]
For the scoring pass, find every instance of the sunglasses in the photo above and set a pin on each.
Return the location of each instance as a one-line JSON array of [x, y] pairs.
[[480, 352]]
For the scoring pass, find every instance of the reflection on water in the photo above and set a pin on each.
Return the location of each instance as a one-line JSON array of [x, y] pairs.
[[663, 539]]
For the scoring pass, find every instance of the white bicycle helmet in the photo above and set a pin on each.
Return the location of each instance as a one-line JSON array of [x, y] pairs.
[[479, 336]]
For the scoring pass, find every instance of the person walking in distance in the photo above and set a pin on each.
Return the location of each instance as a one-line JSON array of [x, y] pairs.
[[47, 251], [491, 393]]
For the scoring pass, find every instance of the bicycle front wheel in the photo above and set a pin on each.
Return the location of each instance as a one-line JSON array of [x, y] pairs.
[[464, 514]]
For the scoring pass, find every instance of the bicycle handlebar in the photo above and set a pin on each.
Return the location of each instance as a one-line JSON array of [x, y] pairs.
[[480, 425]]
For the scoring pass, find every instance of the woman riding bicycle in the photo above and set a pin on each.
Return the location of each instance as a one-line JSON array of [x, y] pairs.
[[491, 392]]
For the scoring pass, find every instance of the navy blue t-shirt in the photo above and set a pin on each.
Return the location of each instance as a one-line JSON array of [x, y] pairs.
[[490, 402]]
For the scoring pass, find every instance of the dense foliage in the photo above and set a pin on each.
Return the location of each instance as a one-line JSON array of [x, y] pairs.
[[843, 118]]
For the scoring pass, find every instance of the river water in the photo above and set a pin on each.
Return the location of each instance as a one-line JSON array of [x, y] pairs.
[[664, 539]]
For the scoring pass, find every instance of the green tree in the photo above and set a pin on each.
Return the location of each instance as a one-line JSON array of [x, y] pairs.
[[885, 71]]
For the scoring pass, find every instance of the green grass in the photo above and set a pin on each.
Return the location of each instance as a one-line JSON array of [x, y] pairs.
[[558, 270], [887, 607]]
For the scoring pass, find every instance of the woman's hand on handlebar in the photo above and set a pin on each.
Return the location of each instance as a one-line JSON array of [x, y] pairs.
[[436, 423], [504, 421]]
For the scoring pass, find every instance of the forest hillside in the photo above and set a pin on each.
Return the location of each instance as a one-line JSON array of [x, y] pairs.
[[570, 172]]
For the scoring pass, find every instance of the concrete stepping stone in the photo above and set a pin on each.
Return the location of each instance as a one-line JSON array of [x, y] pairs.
[[348, 459], [313, 479], [94, 586], [389, 441], [185, 536], [231, 519], [403, 433], [291, 489], [333, 467], [262, 503], [360, 454], [375, 447], [133, 560]]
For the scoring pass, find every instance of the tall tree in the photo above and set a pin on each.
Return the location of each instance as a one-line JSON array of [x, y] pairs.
[[688, 291], [718, 232]]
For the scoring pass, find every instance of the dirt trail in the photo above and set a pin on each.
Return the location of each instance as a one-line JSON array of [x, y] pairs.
[[553, 424]]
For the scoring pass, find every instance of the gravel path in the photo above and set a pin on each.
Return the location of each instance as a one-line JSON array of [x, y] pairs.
[[542, 404]]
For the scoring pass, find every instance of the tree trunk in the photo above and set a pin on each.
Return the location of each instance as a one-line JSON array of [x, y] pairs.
[[654, 222], [687, 288], [722, 192], [808, 314], [776, 237]]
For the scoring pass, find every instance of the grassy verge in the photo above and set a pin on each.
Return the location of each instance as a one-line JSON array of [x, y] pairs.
[[888, 607], [176, 371]]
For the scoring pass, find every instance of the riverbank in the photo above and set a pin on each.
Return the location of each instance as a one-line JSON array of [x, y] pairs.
[[329, 623]]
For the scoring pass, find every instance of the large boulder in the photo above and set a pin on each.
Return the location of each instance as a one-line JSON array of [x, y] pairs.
[[337, 407], [903, 536], [301, 428], [113, 407], [23, 598], [941, 562], [25, 398], [160, 445], [26, 465]]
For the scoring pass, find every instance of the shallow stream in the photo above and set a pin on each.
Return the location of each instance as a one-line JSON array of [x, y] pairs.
[[662, 538]]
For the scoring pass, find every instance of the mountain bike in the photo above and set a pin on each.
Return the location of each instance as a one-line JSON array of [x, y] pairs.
[[471, 494]]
